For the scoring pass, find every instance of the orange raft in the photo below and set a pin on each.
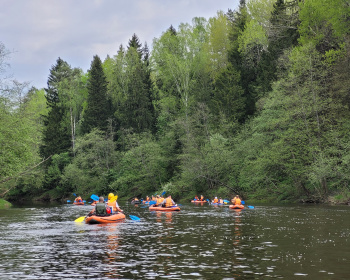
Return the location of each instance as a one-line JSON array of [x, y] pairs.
[[236, 206], [114, 218], [157, 208], [198, 201], [78, 203]]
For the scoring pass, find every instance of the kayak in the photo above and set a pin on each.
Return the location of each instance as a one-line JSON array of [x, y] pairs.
[[217, 204], [78, 203], [198, 201], [157, 208], [236, 206], [114, 218]]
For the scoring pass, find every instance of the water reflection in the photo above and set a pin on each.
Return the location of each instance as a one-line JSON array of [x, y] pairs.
[[196, 243]]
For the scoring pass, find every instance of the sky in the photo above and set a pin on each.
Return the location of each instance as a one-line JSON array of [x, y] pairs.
[[37, 32]]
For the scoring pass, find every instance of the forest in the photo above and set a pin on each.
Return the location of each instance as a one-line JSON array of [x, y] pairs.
[[253, 101]]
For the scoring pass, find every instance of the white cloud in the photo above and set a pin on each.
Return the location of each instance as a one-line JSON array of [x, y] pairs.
[[42, 30]]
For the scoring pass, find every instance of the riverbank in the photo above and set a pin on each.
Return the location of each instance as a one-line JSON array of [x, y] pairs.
[[4, 204]]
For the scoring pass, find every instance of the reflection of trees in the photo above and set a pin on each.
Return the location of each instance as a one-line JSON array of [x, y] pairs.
[[113, 240]]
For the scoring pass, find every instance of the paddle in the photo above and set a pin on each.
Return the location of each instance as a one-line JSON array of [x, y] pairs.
[[94, 197], [68, 201], [74, 194], [80, 219], [249, 206], [163, 193]]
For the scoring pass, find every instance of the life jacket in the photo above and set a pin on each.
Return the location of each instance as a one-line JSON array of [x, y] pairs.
[[238, 201], [196, 198], [159, 200], [215, 200], [100, 209], [136, 199], [202, 198], [112, 204], [168, 202], [147, 198], [221, 201]]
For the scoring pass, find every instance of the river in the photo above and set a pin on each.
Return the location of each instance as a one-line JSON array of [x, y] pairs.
[[199, 242]]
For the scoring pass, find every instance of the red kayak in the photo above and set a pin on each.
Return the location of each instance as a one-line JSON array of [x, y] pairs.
[[157, 208], [78, 203], [198, 201], [114, 218], [236, 206]]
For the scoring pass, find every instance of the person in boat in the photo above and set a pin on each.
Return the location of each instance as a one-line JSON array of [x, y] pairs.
[[168, 202], [112, 202], [215, 200], [159, 200], [202, 198], [135, 200], [236, 200], [221, 201], [78, 200], [196, 198], [100, 208]]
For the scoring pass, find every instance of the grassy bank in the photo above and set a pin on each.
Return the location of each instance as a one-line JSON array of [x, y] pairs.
[[4, 204]]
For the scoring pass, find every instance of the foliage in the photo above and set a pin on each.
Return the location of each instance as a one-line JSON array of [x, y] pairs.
[[253, 101]]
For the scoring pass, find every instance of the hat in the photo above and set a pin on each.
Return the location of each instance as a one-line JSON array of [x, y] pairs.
[[110, 196]]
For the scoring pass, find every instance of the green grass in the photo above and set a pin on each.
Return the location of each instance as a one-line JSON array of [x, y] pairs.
[[4, 204]]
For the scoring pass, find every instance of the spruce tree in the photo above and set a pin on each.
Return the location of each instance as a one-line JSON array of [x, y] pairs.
[[97, 113], [56, 134]]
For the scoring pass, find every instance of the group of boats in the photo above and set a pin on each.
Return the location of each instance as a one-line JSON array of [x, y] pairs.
[[154, 205]]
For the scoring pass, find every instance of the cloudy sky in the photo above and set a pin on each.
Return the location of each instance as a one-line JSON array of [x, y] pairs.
[[39, 31]]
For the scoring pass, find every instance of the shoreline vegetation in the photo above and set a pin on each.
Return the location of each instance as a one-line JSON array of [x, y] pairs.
[[246, 102]]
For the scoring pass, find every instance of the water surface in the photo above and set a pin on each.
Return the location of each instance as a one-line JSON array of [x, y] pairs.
[[199, 242]]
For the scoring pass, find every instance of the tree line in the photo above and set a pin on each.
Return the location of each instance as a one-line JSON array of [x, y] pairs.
[[254, 101]]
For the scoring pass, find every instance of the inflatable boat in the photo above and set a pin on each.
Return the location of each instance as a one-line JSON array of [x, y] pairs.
[[114, 218]]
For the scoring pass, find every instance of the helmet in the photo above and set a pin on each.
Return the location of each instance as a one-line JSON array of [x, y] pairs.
[[110, 196]]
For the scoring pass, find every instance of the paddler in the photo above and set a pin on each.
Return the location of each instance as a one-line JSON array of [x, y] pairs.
[[236, 200], [100, 208], [215, 200], [112, 202], [168, 202]]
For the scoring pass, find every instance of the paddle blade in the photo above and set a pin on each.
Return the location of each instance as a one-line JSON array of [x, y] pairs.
[[74, 194], [94, 197], [68, 201], [134, 218], [152, 202], [251, 207], [163, 193], [243, 202], [80, 219]]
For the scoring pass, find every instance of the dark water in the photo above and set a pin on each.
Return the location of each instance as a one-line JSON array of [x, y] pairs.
[[199, 242]]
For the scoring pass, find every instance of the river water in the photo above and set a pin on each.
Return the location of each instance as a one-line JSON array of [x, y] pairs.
[[199, 242]]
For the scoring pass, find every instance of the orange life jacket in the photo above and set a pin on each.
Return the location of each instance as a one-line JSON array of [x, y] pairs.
[[238, 201], [215, 200], [159, 200], [168, 202], [113, 204]]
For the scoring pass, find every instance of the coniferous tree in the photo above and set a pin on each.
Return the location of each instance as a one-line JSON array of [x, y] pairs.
[[97, 112], [56, 134]]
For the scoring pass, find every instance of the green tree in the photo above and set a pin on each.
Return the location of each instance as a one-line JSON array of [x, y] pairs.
[[97, 111], [56, 132]]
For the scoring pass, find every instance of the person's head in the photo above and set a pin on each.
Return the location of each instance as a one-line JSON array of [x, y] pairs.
[[216, 197], [237, 196], [158, 196], [110, 196], [101, 199]]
